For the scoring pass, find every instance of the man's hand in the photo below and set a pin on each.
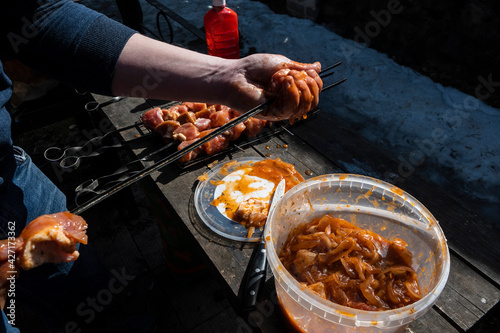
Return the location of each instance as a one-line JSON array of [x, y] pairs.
[[294, 86]]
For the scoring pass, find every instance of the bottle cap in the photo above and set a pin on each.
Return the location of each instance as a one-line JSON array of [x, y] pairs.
[[218, 3]]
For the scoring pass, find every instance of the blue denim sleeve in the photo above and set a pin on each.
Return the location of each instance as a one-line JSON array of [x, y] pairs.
[[5, 326], [64, 40]]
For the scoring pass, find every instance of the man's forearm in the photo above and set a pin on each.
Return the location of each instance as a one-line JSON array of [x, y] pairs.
[[149, 68]]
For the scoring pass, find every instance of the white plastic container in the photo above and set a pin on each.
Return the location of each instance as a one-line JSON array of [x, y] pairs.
[[368, 203]]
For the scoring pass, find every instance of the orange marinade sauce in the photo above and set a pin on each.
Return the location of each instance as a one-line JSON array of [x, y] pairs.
[[275, 171], [269, 169], [290, 323]]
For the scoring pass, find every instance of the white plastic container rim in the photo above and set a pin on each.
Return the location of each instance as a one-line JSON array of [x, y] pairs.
[[341, 314]]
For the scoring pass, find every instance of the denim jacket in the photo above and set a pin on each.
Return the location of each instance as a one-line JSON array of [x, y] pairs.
[[63, 40]]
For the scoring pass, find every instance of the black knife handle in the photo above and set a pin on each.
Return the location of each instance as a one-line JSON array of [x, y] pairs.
[[254, 278]]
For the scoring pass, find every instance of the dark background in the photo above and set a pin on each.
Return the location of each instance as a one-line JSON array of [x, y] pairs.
[[454, 42]]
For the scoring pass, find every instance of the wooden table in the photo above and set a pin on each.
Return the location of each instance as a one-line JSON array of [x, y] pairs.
[[323, 146]]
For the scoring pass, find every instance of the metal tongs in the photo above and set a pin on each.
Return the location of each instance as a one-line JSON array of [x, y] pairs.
[[198, 143], [94, 187]]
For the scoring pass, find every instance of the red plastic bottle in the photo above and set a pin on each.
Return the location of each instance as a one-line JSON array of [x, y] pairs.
[[221, 26]]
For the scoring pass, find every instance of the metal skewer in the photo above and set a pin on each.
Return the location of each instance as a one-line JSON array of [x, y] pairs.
[[178, 154], [101, 184], [173, 157], [334, 84], [323, 74]]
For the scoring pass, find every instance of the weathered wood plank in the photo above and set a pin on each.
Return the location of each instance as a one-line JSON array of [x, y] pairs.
[[467, 296], [432, 321], [478, 291]]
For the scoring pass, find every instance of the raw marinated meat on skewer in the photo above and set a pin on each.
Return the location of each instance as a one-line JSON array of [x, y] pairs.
[[217, 144], [186, 117], [185, 132], [166, 129], [180, 109], [49, 238], [253, 126], [220, 118], [153, 118], [171, 114], [295, 93], [235, 132], [52, 239], [195, 107], [192, 154], [203, 124], [204, 114], [189, 121]]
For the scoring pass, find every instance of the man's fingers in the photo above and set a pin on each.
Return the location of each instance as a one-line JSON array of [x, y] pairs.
[[314, 89], [304, 67], [315, 76], [305, 95], [291, 94]]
